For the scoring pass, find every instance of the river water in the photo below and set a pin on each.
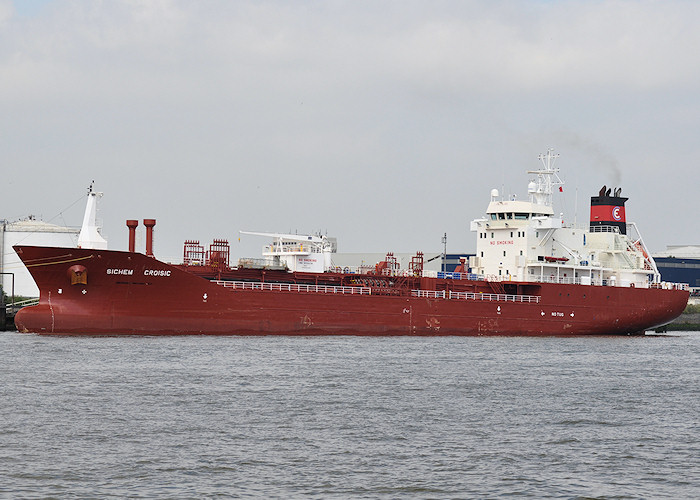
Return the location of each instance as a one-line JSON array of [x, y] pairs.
[[350, 417]]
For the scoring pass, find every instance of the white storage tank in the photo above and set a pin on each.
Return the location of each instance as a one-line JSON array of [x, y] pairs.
[[29, 231]]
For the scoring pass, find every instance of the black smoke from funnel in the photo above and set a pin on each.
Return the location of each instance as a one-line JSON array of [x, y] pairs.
[[593, 154]]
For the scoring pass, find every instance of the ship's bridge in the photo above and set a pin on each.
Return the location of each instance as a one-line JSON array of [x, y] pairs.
[[516, 210]]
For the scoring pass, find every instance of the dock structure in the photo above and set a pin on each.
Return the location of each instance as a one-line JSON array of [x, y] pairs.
[[7, 318], [9, 310]]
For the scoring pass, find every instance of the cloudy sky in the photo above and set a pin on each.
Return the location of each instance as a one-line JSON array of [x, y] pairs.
[[385, 124]]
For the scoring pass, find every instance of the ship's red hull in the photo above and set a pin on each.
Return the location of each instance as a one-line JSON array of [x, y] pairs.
[[123, 293]]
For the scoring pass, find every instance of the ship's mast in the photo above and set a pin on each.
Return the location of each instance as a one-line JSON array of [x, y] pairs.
[[90, 236], [540, 190]]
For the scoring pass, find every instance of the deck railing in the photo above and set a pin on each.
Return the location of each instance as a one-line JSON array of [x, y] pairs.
[[358, 290], [585, 280], [502, 297], [294, 287]]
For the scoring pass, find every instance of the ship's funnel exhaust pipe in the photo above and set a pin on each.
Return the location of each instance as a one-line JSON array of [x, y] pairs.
[[149, 223], [132, 225], [608, 212]]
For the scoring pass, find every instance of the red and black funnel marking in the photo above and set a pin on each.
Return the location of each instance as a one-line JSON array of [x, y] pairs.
[[608, 211]]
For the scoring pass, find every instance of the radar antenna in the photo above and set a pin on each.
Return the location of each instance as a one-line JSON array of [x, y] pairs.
[[547, 178]]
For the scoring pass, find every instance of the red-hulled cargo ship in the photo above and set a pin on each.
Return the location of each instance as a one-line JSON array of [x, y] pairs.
[[532, 275]]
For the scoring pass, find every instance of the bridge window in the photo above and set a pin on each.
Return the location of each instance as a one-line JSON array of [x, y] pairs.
[[521, 216]]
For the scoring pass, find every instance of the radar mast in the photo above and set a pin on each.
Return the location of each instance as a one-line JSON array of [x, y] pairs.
[[540, 189]]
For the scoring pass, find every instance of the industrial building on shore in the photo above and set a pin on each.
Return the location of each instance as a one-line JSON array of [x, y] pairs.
[[681, 263]]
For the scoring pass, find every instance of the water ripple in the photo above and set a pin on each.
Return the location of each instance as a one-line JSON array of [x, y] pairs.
[[339, 417]]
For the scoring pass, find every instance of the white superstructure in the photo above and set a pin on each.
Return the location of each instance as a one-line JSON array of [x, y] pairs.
[[296, 252], [527, 241]]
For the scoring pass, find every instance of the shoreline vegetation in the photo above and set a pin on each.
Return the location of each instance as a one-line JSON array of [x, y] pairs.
[[688, 321]]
